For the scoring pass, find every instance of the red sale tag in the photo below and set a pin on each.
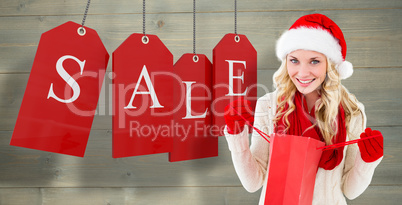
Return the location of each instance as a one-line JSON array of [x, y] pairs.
[[142, 97], [234, 75], [192, 98], [60, 99]]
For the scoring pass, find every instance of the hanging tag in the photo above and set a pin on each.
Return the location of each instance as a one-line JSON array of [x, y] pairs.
[[234, 75], [142, 98], [192, 138], [61, 96]]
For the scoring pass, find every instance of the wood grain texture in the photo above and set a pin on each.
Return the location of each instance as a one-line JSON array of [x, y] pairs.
[[366, 39], [76, 7], [373, 32], [384, 195], [128, 196]]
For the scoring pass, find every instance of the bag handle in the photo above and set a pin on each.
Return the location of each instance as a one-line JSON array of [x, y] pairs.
[[334, 146]]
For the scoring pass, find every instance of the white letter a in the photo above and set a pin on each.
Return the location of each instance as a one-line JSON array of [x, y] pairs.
[[144, 74]]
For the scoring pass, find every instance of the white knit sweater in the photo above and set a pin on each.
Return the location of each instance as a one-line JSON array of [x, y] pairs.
[[350, 178]]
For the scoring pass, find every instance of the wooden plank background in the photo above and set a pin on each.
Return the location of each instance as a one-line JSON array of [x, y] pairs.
[[373, 31]]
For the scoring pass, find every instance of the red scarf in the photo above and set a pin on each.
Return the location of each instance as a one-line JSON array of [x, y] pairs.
[[299, 121]]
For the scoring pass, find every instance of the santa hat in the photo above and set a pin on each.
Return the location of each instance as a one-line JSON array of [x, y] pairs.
[[316, 32]]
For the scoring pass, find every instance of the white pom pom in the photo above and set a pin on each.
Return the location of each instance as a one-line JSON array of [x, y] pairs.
[[345, 70]]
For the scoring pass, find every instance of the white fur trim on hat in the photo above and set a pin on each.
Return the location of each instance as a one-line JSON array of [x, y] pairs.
[[345, 69], [313, 39]]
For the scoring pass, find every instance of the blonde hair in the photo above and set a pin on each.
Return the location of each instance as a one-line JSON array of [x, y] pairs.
[[332, 93]]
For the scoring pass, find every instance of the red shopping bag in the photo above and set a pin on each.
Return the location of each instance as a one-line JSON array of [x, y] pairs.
[[292, 168]]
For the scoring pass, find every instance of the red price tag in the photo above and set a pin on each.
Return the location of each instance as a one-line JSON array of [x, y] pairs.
[[61, 96], [192, 99], [142, 98], [234, 75]]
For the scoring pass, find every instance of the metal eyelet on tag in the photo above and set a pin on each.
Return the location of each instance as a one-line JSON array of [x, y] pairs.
[[195, 58], [81, 31], [145, 39], [237, 38]]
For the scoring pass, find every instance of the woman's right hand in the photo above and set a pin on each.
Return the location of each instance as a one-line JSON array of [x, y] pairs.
[[235, 113]]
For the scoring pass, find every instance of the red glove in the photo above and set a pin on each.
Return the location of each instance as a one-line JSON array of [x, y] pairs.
[[235, 123], [371, 149]]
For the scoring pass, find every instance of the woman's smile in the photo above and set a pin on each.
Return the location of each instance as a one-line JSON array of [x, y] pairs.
[[305, 82]]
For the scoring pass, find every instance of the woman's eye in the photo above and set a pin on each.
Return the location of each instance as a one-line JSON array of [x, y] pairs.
[[315, 62], [294, 61]]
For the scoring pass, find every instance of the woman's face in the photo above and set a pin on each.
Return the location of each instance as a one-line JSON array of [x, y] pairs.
[[307, 69]]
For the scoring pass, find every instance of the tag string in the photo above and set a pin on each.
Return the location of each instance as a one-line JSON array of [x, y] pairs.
[[235, 17], [143, 17], [194, 27], [237, 37], [85, 14], [263, 134]]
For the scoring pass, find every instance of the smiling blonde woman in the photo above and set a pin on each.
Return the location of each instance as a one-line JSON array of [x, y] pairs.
[[309, 100]]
